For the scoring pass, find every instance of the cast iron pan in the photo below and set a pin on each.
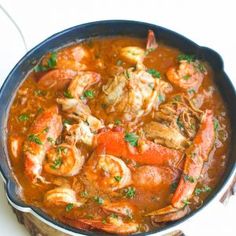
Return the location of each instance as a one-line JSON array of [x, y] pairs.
[[106, 29]]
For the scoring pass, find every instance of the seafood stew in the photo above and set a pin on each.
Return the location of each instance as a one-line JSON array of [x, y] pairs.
[[118, 134]]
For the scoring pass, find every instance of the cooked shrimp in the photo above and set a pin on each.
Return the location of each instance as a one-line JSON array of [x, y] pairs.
[[63, 160], [56, 79], [136, 54], [187, 76], [61, 196], [107, 172], [47, 126], [133, 54], [81, 82]]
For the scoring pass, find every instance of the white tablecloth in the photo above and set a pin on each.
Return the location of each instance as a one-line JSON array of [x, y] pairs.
[[209, 23]]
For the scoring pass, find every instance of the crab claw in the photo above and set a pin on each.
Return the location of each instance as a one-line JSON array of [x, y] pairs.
[[196, 155]]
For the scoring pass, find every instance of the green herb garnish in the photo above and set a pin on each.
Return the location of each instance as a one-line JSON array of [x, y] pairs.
[[132, 139], [186, 77], [186, 202], [154, 73], [34, 138], [67, 94], [173, 186], [23, 117], [185, 57], [40, 93], [69, 207], [216, 124], [51, 140], [69, 122], [117, 122], [51, 64], [119, 62], [129, 192], [204, 189], [89, 94], [99, 200], [56, 164], [117, 178], [84, 193], [189, 178]]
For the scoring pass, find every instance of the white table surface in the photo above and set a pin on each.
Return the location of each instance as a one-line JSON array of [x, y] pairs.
[[209, 23]]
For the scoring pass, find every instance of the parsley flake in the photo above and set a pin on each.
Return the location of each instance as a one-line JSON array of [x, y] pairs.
[[69, 207], [34, 138], [23, 117], [132, 139]]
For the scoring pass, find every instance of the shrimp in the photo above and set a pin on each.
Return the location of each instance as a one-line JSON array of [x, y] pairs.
[[68, 63], [64, 160], [135, 54], [107, 172], [187, 76], [61, 196], [47, 126], [56, 79], [196, 155]]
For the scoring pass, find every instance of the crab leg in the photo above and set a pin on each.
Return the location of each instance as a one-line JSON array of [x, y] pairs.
[[113, 143], [196, 155]]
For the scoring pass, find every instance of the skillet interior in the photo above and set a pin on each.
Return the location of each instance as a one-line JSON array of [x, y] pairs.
[[103, 29]]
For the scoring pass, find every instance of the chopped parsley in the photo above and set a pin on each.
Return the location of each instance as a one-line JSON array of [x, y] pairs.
[[191, 91], [67, 122], [51, 140], [161, 98], [89, 94], [216, 124], [99, 200], [40, 92], [113, 215], [185, 57], [127, 74], [119, 63], [189, 178], [201, 68], [177, 98], [186, 202], [117, 122], [67, 94], [204, 189], [117, 178], [56, 164], [129, 192], [34, 138], [46, 130], [104, 221], [173, 186], [51, 64], [132, 139], [23, 117], [179, 123], [154, 73], [186, 77], [61, 149], [69, 207], [84, 193]]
